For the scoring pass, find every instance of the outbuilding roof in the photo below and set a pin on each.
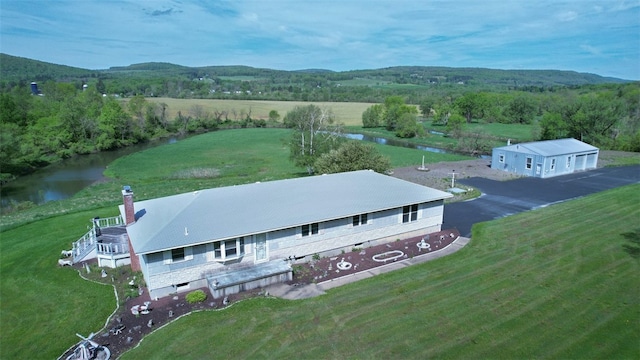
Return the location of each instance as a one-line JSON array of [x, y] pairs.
[[550, 147], [234, 211]]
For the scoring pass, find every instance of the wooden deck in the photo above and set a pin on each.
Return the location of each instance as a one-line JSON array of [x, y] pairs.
[[107, 240], [112, 240]]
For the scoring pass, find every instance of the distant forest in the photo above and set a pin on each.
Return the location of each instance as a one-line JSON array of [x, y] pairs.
[[83, 110]]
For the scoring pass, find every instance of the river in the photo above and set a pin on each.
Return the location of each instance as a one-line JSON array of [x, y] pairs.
[[67, 177], [394, 142]]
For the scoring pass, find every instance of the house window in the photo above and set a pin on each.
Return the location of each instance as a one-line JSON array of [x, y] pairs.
[[228, 249], [310, 229], [529, 163], [553, 164], [360, 220], [183, 286], [409, 213], [177, 254], [501, 158], [568, 162]]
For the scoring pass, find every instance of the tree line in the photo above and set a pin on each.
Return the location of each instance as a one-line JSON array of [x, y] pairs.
[[606, 116], [243, 82], [39, 130]]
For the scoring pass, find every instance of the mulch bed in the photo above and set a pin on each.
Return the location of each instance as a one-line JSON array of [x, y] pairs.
[[326, 269], [125, 330]]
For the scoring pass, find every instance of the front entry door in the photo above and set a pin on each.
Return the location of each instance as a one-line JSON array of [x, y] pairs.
[[261, 247], [538, 169]]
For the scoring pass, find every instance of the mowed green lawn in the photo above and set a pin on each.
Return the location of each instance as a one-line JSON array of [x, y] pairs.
[[553, 283], [43, 306], [230, 157], [219, 158], [515, 132], [349, 113]]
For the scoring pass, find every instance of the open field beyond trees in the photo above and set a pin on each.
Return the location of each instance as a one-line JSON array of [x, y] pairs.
[[349, 113], [568, 281]]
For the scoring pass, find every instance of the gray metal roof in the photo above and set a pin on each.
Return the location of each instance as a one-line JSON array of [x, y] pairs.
[[550, 147], [229, 212]]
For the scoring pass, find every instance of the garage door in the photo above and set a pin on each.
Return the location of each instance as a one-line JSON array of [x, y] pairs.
[[592, 160], [581, 162]]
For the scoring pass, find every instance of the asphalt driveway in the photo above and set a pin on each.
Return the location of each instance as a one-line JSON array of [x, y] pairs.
[[503, 198]]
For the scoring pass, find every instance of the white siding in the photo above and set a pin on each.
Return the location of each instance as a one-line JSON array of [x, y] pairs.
[[162, 276]]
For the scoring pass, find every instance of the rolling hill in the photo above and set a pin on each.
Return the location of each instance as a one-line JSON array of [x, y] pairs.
[[18, 69]]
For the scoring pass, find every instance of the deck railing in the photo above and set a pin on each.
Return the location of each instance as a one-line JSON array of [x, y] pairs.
[[88, 241], [84, 245], [113, 248], [108, 222]]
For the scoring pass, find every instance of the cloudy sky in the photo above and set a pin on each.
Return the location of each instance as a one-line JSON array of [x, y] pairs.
[[601, 37]]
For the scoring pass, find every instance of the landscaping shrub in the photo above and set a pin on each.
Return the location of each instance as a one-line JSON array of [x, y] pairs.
[[196, 296]]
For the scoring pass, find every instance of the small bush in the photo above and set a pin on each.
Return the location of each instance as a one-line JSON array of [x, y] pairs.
[[196, 296]]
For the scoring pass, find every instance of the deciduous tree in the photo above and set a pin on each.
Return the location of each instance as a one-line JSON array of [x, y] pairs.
[[521, 110], [373, 116], [274, 115], [394, 108], [408, 126], [115, 126], [315, 131], [427, 106], [472, 105], [552, 126], [351, 156], [455, 125]]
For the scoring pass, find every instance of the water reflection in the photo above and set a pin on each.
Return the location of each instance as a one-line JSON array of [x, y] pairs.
[[393, 142], [64, 179]]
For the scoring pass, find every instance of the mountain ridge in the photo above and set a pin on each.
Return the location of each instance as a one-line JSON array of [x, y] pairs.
[[16, 68]]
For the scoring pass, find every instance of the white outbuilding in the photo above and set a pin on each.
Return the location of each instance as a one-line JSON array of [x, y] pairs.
[[545, 159]]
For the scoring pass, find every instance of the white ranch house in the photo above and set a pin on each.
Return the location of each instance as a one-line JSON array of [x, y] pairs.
[[545, 159], [237, 238]]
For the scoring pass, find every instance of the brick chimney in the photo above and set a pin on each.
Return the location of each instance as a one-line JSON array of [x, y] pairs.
[[130, 218], [129, 212]]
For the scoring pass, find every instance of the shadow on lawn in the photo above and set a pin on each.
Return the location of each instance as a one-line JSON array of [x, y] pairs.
[[633, 247]]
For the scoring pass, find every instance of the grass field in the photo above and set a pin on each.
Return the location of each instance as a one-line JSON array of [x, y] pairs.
[[349, 113], [364, 82], [562, 289], [43, 306], [220, 158], [515, 132], [558, 277]]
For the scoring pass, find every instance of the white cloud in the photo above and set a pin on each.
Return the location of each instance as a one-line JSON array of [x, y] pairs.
[[567, 16], [591, 49]]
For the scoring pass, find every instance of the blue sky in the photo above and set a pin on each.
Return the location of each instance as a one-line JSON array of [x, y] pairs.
[[600, 37]]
